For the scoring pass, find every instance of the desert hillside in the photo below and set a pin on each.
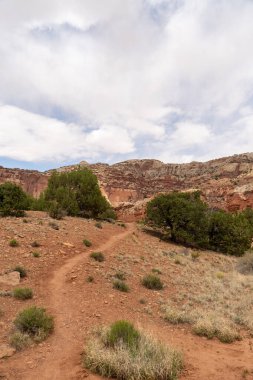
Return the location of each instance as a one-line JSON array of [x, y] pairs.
[[225, 183], [80, 293]]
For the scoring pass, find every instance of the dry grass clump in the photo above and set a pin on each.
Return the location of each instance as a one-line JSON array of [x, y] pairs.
[[245, 263], [143, 359], [120, 276], [220, 289], [121, 286], [152, 282], [20, 340], [23, 293], [211, 326], [97, 256], [175, 315]]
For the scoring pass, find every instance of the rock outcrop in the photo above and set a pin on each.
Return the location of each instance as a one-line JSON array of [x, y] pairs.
[[31, 181], [225, 183]]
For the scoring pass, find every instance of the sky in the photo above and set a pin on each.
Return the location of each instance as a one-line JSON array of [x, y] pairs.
[[111, 80]]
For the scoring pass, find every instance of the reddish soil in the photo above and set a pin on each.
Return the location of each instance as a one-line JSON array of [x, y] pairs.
[[59, 281]]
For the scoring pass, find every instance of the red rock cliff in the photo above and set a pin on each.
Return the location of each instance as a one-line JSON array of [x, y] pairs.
[[226, 183]]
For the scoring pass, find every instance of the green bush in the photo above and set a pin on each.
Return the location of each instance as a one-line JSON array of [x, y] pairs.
[[77, 193], [36, 254], [187, 220], [121, 286], [152, 282], [35, 322], [109, 215], [97, 256], [13, 200], [23, 293], [184, 214], [21, 270], [124, 353], [229, 233], [56, 211], [87, 243], [123, 332], [13, 243]]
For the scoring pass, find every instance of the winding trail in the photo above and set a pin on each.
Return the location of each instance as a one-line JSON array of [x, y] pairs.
[[62, 362]]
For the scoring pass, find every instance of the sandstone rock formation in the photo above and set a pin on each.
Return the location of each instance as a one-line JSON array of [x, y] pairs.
[[31, 181], [225, 183]]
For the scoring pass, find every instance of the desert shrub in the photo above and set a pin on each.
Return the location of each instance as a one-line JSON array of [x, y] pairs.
[[156, 271], [35, 322], [77, 193], [248, 214], [177, 316], [13, 200], [152, 282], [229, 233], [35, 244], [56, 211], [36, 254], [178, 261], [195, 255], [120, 276], [23, 293], [184, 214], [132, 355], [54, 225], [99, 225], [13, 243], [121, 286], [216, 327], [97, 256], [38, 204], [20, 340], [123, 332], [22, 271], [90, 279], [187, 220], [245, 263], [87, 243], [109, 215]]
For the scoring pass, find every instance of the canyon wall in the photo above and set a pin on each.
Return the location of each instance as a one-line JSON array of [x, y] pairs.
[[225, 183]]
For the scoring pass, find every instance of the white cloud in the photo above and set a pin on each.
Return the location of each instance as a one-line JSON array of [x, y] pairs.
[[176, 76], [27, 136], [188, 134]]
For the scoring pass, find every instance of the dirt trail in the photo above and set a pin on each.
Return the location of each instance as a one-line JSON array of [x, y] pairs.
[[63, 362]]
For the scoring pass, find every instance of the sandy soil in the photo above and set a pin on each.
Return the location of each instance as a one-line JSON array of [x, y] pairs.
[[59, 280]]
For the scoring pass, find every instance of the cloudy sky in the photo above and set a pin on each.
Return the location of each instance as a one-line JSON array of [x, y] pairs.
[[110, 80]]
